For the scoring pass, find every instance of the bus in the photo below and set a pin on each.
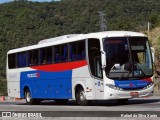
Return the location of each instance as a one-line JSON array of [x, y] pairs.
[[110, 65]]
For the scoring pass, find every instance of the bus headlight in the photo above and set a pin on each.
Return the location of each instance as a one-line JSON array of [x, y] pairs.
[[148, 86], [113, 87]]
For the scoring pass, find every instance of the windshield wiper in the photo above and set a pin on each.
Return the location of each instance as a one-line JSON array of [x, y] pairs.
[[127, 76]]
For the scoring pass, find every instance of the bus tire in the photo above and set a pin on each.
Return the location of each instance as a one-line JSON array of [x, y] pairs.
[[81, 98], [61, 101], [122, 101], [29, 99]]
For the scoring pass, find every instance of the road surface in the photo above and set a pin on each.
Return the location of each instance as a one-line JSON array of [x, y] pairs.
[[139, 108]]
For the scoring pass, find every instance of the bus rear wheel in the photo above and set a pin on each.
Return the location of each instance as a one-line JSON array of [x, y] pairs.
[[81, 98], [29, 99]]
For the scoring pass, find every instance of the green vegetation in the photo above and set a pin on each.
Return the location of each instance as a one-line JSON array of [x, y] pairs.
[[3, 87], [24, 23]]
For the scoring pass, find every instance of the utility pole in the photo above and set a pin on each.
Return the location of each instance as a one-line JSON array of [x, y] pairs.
[[148, 27], [103, 26]]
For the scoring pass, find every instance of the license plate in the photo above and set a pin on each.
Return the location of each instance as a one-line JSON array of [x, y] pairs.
[[134, 94]]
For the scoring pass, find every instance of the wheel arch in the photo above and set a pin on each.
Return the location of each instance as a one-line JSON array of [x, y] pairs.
[[25, 88], [77, 87]]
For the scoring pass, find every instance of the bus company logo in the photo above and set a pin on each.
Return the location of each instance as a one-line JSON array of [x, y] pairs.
[[33, 75], [127, 85]]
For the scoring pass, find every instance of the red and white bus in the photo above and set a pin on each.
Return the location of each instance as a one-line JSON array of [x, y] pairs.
[[95, 66]]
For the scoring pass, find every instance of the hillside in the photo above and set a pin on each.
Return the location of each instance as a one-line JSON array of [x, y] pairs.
[[154, 37], [25, 23]]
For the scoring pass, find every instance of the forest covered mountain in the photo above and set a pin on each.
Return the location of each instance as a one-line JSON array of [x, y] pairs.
[[26, 23]]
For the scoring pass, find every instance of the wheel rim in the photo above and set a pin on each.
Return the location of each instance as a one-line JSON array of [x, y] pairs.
[[28, 97], [82, 96]]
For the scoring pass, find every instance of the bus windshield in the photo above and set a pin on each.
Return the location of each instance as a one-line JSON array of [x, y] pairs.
[[128, 58]]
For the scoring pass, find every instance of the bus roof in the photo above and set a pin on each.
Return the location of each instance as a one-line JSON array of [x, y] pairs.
[[76, 37]]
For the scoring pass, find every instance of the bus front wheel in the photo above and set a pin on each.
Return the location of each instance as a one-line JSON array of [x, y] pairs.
[[81, 98]]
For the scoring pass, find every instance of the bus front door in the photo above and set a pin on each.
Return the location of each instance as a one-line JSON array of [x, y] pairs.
[[98, 73]]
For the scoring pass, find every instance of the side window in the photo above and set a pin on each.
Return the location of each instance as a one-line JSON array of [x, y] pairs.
[[77, 50], [64, 53], [21, 59], [49, 55], [42, 56], [61, 53], [72, 51], [12, 61], [33, 57], [46, 55], [57, 53], [81, 50], [94, 55]]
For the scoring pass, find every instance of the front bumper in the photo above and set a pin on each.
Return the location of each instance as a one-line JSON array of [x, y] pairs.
[[110, 93]]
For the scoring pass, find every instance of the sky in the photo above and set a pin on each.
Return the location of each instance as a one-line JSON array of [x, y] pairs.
[[3, 1]]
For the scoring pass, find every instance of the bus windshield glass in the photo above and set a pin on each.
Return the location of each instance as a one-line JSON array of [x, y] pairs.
[[128, 58]]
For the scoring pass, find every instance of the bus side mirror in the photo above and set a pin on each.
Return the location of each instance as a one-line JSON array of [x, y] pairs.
[[103, 54]]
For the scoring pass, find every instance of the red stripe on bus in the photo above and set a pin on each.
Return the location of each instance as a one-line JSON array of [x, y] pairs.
[[60, 66], [148, 80]]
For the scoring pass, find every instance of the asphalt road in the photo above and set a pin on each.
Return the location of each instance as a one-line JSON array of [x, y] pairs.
[[144, 108]]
